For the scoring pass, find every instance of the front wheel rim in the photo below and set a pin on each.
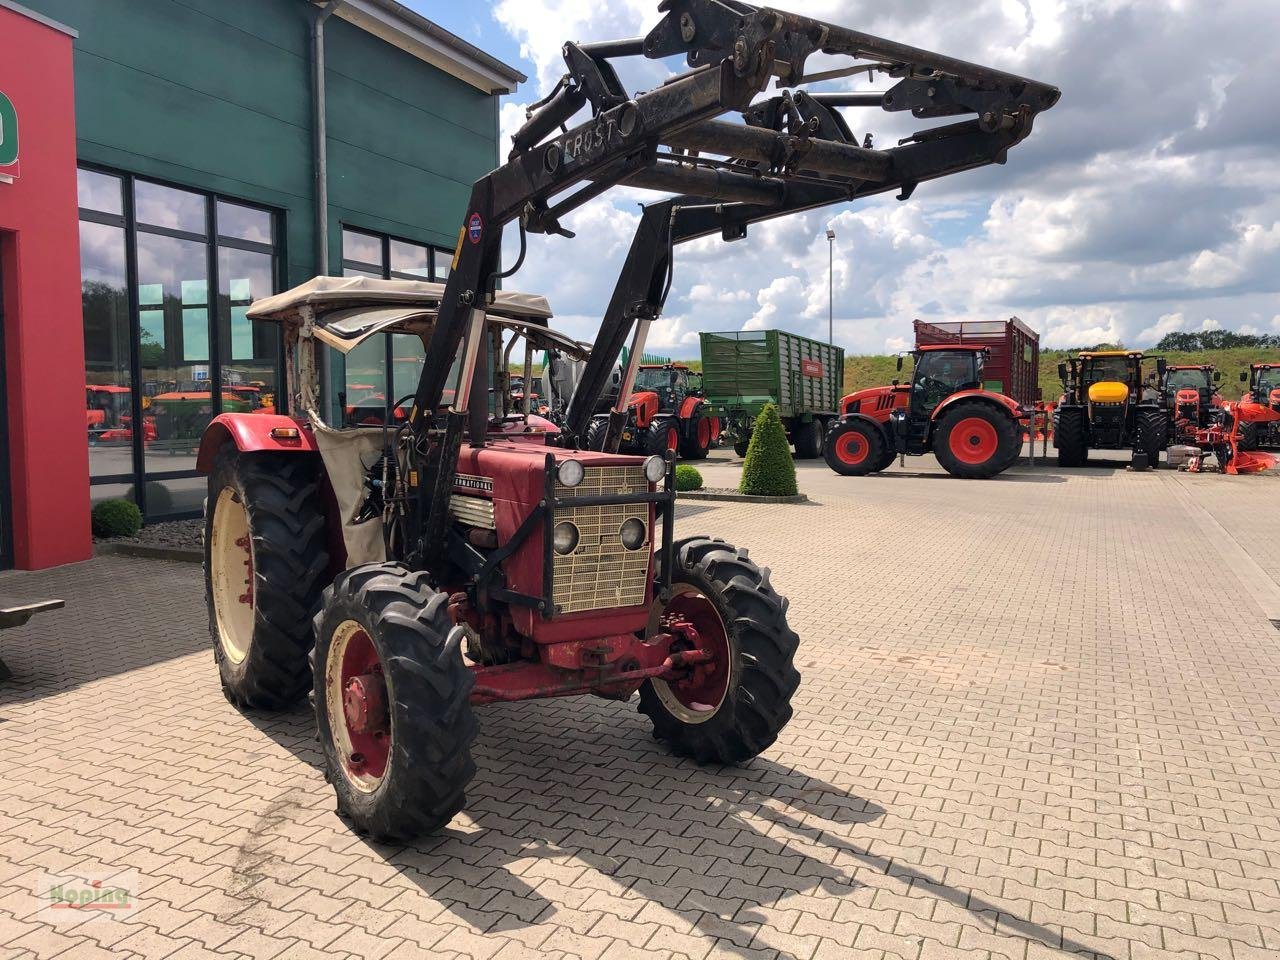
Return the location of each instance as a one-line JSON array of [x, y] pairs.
[[231, 575], [357, 702], [851, 448], [698, 696], [974, 440]]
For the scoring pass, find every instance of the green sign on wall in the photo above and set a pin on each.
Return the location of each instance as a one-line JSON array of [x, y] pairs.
[[8, 140]]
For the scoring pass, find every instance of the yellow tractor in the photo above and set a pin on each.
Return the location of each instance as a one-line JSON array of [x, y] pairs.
[[1106, 405]]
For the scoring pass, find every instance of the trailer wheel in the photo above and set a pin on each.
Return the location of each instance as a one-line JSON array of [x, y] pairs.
[[1152, 433], [975, 440], [265, 563], [808, 440], [1070, 436], [392, 702], [662, 435], [855, 448], [697, 440], [733, 707], [740, 447]]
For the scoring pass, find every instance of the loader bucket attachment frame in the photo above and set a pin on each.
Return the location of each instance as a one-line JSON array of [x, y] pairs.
[[790, 152]]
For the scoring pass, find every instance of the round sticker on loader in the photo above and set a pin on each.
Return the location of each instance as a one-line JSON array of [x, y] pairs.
[[475, 228]]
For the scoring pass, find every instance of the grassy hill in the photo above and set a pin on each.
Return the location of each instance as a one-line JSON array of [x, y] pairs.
[[872, 371]]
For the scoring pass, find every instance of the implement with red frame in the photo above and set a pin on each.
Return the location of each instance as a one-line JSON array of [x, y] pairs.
[[970, 400], [466, 555]]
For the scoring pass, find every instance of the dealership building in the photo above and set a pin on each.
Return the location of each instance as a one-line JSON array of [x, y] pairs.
[[164, 163]]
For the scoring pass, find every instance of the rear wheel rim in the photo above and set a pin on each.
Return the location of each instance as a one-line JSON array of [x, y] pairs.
[[974, 440], [698, 697], [673, 438], [358, 706], [231, 574], [852, 448], [704, 432]]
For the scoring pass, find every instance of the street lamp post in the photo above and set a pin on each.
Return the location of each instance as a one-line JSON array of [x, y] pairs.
[[831, 259]]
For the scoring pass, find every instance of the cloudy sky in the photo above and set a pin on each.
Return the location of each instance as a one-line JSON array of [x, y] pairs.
[[1146, 201]]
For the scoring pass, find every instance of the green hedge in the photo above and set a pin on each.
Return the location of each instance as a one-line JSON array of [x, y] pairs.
[[687, 477], [768, 470], [116, 518]]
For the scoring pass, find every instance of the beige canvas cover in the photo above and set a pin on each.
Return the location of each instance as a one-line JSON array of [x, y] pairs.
[[333, 293]]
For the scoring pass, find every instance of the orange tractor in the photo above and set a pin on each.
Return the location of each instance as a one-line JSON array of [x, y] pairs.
[[666, 411], [1191, 396], [1263, 391]]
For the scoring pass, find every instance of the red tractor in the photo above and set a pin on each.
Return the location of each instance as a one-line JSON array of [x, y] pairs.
[[408, 571], [945, 410], [666, 411], [1191, 396], [1263, 390]]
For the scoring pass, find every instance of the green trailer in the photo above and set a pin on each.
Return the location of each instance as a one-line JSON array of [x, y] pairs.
[[803, 378]]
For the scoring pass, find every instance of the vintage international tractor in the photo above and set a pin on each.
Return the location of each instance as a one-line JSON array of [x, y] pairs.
[[1106, 405], [945, 410], [1191, 397], [1263, 390], [666, 411], [407, 571]]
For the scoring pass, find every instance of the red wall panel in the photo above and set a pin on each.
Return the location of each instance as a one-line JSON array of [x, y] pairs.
[[44, 339]]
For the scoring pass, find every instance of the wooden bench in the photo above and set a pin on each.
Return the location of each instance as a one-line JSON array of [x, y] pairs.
[[17, 615]]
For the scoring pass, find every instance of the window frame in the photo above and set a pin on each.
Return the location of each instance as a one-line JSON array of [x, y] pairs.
[[213, 241]]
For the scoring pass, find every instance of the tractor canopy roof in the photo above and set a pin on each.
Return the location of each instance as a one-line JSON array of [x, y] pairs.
[[349, 310], [1192, 366], [1091, 354], [664, 366]]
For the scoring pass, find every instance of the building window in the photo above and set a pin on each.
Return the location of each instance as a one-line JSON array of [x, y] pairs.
[[366, 397], [167, 275]]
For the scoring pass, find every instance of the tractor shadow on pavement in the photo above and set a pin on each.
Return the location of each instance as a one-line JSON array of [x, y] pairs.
[[576, 814]]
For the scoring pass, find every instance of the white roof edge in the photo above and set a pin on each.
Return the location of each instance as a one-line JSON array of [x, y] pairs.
[[40, 18], [419, 37]]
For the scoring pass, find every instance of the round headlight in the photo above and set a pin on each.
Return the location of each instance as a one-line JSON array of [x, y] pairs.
[[570, 474], [632, 534], [655, 468], [564, 539]]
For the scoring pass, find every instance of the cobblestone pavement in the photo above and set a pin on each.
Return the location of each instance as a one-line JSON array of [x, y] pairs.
[[1038, 718]]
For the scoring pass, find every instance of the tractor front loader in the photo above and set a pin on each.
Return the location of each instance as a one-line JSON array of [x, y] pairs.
[[1107, 405], [455, 555]]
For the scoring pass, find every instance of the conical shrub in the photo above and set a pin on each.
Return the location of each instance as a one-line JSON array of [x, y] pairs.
[[768, 470]]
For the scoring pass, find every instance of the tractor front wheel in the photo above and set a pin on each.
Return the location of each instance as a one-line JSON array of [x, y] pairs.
[[594, 440], [740, 447], [392, 701], [855, 448], [662, 435], [732, 707], [265, 564], [976, 441], [1152, 434], [1070, 436]]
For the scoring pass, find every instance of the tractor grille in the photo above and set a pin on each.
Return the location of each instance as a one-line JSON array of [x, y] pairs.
[[602, 573], [473, 511]]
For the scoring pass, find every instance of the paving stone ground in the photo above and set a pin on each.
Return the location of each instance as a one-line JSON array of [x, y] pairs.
[[1038, 718]]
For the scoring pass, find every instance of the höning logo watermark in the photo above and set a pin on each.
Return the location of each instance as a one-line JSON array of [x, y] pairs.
[[64, 896]]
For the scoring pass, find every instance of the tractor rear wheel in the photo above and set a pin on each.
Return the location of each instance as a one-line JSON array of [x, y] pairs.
[[976, 440], [1070, 436], [697, 438], [392, 701], [855, 448], [265, 563], [1152, 433], [662, 435], [1248, 436], [733, 707], [807, 438]]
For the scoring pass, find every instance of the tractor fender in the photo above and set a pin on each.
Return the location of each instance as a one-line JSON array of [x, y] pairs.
[[251, 432], [689, 407], [871, 423], [998, 400]]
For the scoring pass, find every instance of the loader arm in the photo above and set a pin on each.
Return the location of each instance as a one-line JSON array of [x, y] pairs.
[[786, 153]]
